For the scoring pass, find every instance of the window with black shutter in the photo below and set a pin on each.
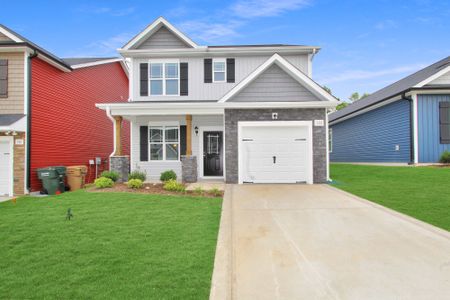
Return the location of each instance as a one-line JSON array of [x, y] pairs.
[[184, 79], [3, 78], [230, 70], [444, 122], [207, 66], [143, 143], [143, 88]]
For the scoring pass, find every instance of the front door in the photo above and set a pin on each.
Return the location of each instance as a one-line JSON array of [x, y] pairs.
[[212, 153]]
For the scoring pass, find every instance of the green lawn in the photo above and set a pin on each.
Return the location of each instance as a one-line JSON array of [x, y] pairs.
[[421, 192], [118, 245]]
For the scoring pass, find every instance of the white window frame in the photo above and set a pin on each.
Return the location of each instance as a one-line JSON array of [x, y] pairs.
[[163, 78], [330, 140], [223, 60], [163, 143]]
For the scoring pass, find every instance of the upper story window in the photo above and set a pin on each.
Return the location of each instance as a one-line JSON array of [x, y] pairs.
[[219, 70], [3, 78], [164, 78]]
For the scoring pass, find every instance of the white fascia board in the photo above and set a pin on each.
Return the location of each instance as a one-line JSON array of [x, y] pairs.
[[11, 35], [304, 80], [429, 91], [16, 49], [96, 63], [432, 77], [213, 52], [53, 63], [153, 27]]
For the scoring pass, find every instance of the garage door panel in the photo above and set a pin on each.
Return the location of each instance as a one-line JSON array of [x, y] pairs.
[[5, 167]]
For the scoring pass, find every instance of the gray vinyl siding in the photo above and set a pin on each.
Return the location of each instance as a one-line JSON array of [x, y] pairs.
[[274, 85], [198, 90], [163, 39], [154, 168]]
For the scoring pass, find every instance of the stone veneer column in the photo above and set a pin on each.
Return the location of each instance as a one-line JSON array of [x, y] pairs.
[[188, 168], [121, 165]]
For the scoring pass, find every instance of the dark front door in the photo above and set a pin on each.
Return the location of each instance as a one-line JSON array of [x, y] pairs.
[[212, 153]]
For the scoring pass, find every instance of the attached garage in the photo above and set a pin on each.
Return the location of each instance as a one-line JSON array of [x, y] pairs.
[[275, 152], [6, 166]]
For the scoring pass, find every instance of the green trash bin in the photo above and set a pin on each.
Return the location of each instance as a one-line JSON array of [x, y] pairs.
[[52, 179]]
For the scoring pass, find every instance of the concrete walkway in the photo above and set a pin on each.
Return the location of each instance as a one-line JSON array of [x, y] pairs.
[[316, 242]]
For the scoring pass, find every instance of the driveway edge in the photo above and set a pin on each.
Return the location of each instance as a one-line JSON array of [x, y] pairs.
[[221, 283], [442, 232]]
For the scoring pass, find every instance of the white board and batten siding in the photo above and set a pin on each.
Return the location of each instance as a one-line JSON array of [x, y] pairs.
[[198, 90], [155, 168]]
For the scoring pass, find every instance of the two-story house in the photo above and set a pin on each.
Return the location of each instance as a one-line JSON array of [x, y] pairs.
[[241, 113], [47, 112]]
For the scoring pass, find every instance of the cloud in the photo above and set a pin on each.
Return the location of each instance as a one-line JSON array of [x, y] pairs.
[[364, 74], [106, 47], [386, 24], [265, 8], [208, 31], [107, 11]]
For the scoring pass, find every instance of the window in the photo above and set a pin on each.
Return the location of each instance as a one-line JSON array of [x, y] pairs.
[[164, 142], [164, 78], [330, 140], [219, 70], [444, 122]]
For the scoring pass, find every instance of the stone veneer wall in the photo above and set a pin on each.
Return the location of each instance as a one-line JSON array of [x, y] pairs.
[[121, 165], [18, 163], [188, 169], [233, 116]]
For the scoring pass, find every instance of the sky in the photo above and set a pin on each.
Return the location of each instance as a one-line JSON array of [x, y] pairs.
[[365, 44]]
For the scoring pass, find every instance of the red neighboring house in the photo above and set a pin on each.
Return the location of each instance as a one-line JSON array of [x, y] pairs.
[[48, 115]]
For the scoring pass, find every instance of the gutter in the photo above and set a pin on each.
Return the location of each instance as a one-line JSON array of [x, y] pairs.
[[28, 137]]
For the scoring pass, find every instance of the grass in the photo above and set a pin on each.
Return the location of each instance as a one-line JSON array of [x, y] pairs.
[[117, 246], [420, 192]]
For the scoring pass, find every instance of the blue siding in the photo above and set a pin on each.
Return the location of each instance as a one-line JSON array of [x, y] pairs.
[[372, 137], [430, 147]]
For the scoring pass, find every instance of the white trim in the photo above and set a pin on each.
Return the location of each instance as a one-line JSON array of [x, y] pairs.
[[10, 35], [307, 82], [219, 60], [415, 128], [25, 83], [329, 142], [155, 26], [201, 130], [130, 79], [53, 63], [11, 162], [308, 124], [131, 147], [433, 77], [96, 63]]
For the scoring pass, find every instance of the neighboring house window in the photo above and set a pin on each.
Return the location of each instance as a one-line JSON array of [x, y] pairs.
[[444, 122], [330, 140], [219, 70], [164, 142], [3, 78], [164, 78]]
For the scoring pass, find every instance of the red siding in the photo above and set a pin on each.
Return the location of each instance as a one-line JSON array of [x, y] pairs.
[[66, 128]]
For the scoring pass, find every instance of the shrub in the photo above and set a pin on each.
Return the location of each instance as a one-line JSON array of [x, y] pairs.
[[168, 175], [137, 175], [174, 186], [103, 182], [111, 175], [199, 190], [445, 157], [135, 183], [216, 192]]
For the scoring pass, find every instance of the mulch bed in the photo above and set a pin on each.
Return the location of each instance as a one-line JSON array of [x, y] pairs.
[[149, 188]]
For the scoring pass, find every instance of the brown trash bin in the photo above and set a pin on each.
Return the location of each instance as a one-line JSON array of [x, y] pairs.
[[76, 177]]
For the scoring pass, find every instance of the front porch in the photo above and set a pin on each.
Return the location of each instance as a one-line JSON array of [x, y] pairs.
[[192, 145]]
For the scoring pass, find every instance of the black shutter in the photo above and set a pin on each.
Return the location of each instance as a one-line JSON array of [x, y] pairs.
[[183, 140], [143, 79], [208, 70], [143, 138], [230, 70], [444, 122], [183, 79], [3, 78]]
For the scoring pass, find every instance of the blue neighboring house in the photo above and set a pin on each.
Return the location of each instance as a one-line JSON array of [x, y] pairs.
[[405, 122]]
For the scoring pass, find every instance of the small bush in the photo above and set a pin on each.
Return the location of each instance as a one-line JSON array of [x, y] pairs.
[[445, 157], [174, 186], [137, 175], [199, 190], [216, 192], [135, 183], [168, 175], [103, 182], [111, 175]]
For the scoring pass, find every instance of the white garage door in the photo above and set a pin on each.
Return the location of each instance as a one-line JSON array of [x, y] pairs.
[[275, 152], [5, 166]]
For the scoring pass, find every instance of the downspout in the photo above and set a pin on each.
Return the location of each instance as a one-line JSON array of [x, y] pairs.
[[28, 136], [411, 130], [108, 113]]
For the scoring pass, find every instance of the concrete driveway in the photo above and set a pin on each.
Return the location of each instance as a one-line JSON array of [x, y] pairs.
[[316, 242]]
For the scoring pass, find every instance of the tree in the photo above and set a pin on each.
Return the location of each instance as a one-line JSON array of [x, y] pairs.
[[355, 96]]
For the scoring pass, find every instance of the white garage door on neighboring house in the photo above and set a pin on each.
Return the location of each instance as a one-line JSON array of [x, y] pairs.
[[6, 166], [275, 152]]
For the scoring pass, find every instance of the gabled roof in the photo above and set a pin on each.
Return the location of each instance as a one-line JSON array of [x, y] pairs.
[[6, 120], [296, 74], [154, 27], [86, 60], [416, 80]]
